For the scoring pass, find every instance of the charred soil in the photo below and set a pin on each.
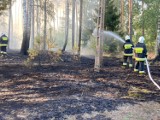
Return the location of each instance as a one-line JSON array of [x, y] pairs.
[[70, 89]]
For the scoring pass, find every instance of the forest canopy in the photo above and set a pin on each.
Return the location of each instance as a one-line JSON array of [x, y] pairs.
[[3, 5], [59, 19]]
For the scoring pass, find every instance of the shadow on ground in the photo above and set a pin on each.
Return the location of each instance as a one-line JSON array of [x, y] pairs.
[[69, 88]]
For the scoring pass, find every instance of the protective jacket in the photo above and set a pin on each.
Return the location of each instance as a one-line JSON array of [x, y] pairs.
[[128, 48], [3, 40], [140, 51]]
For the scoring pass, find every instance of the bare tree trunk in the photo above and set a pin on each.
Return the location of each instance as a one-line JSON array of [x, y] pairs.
[[142, 18], [122, 13], [66, 25], [45, 24], [80, 27], [76, 24], [158, 41], [25, 41], [99, 43], [10, 23], [130, 18], [158, 38], [73, 23], [29, 10], [37, 17], [32, 25]]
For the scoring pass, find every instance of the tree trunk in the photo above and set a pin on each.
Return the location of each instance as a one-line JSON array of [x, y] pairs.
[[32, 25], [25, 41], [37, 17], [29, 10], [158, 38], [10, 23], [80, 27], [130, 18], [76, 24], [122, 13], [73, 23], [142, 18], [157, 58], [45, 25], [66, 25], [99, 42]]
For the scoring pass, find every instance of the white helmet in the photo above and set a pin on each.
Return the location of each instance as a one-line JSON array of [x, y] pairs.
[[127, 37], [2, 34], [141, 39]]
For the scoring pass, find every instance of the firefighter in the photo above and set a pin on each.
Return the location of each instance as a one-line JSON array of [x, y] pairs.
[[3, 44], [140, 51], [128, 52]]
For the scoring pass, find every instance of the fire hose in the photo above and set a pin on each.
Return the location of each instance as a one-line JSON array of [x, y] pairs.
[[149, 74]]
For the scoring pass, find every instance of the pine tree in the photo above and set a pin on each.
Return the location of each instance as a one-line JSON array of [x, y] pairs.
[[3, 5], [112, 18]]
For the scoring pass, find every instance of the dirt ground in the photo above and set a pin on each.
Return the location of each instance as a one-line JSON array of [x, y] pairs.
[[71, 90]]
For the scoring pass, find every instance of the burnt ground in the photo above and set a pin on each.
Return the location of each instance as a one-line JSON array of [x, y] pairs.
[[71, 90]]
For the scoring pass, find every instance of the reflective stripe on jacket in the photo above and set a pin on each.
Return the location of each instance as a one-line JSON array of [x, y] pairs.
[[128, 48], [3, 45], [140, 52], [3, 40]]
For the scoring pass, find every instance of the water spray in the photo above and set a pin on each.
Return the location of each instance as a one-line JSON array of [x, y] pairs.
[[117, 37], [108, 33]]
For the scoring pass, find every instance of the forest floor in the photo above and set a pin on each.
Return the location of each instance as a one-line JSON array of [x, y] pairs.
[[71, 90]]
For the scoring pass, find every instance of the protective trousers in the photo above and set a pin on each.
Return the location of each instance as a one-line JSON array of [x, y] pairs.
[[139, 66], [3, 50], [130, 61]]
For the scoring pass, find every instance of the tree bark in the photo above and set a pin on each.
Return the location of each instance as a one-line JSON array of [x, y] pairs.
[[80, 27], [122, 13], [130, 18], [99, 42], [142, 17], [32, 25], [37, 17], [66, 25], [10, 23], [26, 37], [45, 24], [73, 23], [157, 58], [158, 39]]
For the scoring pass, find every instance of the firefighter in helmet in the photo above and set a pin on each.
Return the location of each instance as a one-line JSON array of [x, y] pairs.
[[140, 51], [3, 44], [128, 52]]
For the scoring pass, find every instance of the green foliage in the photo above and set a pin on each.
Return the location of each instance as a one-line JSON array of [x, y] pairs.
[[38, 42], [93, 43], [109, 47], [112, 47], [32, 54], [42, 56], [54, 56], [89, 20], [86, 36], [111, 21], [4, 5], [149, 17]]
